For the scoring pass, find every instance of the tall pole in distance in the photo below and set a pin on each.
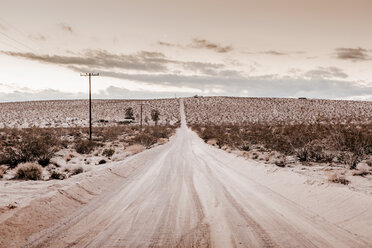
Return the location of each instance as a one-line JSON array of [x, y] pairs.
[[141, 116], [90, 74]]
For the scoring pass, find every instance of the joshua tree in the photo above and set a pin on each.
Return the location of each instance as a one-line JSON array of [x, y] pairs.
[[155, 115], [129, 113]]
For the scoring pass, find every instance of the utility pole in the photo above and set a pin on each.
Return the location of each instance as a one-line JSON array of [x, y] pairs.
[[141, 116], [90, 75]]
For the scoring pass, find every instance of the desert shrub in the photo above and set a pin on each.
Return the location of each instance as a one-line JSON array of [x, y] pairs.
[[155, 116], [109, 133], [102, 161], [57, 175], [1, 172], [84, 146], [334, 178], [77, 170], [308, 142], [146, 139], [29, 171], [29, 145], [129, 113], [108, 152]]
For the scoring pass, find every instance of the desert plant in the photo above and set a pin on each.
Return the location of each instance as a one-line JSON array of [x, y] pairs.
[[334, 178], [129, 113], [57, 175], [83, 146], [77, 170], [29, 171], [30, 145], [155, 115], [108, 152]]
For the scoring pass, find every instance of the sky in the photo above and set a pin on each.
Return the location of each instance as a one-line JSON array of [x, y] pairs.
[[167, 48]]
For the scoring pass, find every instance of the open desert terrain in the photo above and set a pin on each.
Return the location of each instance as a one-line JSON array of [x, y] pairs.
[[189, 191], [186, 124]]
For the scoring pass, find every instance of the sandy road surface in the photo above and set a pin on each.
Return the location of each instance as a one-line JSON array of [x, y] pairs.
[[189, 194]]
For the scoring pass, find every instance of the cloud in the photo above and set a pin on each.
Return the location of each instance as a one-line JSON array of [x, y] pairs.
[[101, 59], [111, 92], [272, 52], [204, 44], [37, 37], [2, 27], [162, 43], [65, 27], [200, 44], [326, 73], [354, 54], [276, 53], [234, 82]]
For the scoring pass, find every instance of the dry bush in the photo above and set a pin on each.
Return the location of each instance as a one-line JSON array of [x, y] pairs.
[[309, 143], [335, 178], [102, 161], [77, 170], [84, 146], [108, 152], [150, 135], [55, 174], [29, 171], [29, 145], [1, 172]]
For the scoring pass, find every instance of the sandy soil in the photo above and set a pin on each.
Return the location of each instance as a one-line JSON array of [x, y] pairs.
[[243, 110], [74, 113], [189, 194]]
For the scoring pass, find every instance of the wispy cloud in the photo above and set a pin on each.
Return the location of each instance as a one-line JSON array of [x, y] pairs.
[[162, 43], [326, 73], [200, 44], [204, 44], [37, 37], [354, 54], [2, 27], [276, 53], [111, 92], [101, 59], [234, 82], [66, 27]]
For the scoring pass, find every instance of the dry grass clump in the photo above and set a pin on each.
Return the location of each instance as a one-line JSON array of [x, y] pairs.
[[136, 148], [29, 171], [335, 178], [323, 143]]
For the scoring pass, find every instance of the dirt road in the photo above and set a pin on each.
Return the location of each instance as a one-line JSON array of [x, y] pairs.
[[189, 194]]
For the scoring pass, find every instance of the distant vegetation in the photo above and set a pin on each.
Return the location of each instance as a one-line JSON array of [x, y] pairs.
[[27, 150], [323, 143]]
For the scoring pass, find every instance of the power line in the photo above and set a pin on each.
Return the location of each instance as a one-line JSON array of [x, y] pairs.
[[21, 32], [11, 45], [10, 38]]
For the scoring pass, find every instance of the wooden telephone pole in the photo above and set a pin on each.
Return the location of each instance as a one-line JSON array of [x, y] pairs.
[[90, 75], [141, 116]]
